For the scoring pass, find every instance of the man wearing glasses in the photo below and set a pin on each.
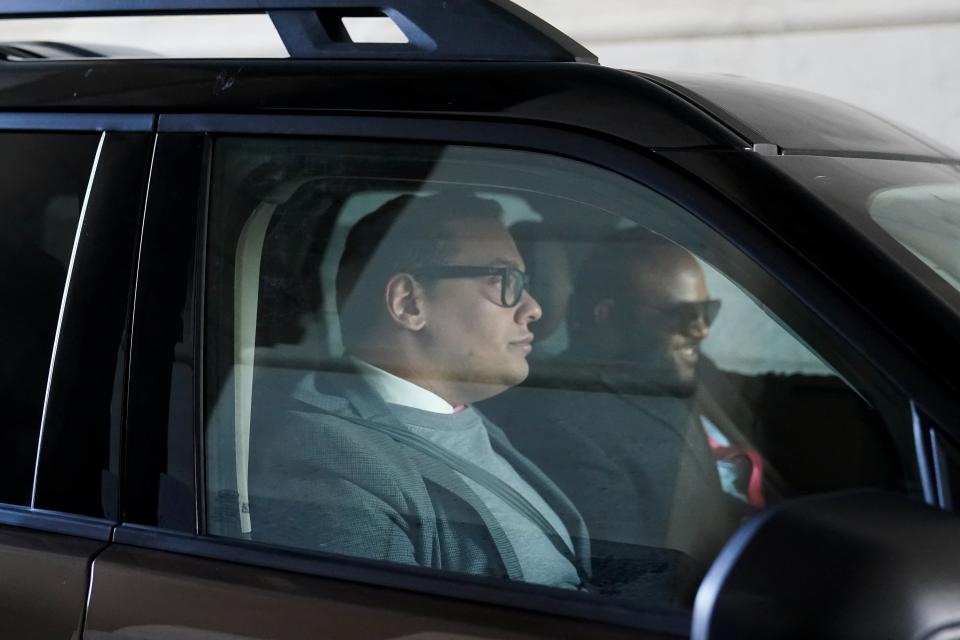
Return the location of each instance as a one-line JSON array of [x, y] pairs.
[[390, 460]]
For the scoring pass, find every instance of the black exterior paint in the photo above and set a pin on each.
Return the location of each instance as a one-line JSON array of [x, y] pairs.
[[75, 473], [568, 94], [671, 138]]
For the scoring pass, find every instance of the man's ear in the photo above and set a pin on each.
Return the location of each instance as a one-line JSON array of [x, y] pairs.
[[603, 312], [404, 298]]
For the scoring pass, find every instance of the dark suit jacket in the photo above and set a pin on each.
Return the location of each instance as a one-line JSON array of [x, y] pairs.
[[637, 465], [815, 433], [326, 483]]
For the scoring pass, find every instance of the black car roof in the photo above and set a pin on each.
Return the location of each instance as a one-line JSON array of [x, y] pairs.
[[570, 94], [799, 122], [465, 59]]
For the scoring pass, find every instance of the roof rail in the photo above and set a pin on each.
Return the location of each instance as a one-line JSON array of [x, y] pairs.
[[313, 29], [41, 50]]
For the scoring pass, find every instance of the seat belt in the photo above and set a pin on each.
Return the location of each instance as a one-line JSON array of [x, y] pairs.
[[246, 293], [481, 476], [246, 286]]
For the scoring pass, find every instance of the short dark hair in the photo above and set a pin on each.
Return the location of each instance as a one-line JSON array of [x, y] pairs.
[[404, 233], [605, 273]]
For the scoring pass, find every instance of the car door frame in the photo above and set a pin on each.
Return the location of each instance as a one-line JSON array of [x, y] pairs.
[[179, 195], [53, 541]]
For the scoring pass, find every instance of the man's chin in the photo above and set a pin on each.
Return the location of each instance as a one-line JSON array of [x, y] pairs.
[[508, 379], [480, 385], [683, 379], [476, 391]]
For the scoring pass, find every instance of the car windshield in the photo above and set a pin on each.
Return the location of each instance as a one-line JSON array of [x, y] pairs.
[[916, 204], [926, 220]]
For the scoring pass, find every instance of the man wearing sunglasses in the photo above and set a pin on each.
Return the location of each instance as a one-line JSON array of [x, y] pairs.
[[642, 303], [389, 460], [652, 317], [654, 443], [620, 424]]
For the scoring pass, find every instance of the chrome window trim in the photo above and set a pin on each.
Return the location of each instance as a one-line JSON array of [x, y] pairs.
[[56, 522], [63, 306], [921, 438]]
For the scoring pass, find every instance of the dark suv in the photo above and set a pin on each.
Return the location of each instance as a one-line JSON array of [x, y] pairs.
[[778, 466]]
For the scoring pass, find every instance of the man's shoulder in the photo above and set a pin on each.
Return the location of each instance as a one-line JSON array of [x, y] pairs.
[[321, 411]]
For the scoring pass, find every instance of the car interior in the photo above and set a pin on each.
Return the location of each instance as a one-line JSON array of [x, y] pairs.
[[280, 211]]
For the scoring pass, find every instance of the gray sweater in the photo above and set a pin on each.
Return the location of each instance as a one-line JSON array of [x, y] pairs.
[[321, 480], [465, 435]]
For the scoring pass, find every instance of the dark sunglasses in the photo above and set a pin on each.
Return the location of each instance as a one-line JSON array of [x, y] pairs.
[[513, 282], [680, 316]]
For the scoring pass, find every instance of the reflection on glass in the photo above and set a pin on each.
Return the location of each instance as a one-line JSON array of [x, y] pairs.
[[926, 220], [503, 364]]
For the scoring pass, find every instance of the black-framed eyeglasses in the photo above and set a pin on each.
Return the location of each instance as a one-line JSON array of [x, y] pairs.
[[680, 316], [513, 282]]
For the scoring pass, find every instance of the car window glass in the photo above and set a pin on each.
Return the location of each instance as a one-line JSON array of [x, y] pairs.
[[43, 178], [926, 220], [505, 364], [908, 210]]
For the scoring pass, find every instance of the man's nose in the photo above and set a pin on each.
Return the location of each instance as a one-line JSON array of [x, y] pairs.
[[699, 328], [528, 310]]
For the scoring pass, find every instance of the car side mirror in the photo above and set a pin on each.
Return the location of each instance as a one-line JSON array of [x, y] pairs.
[[853, 565]]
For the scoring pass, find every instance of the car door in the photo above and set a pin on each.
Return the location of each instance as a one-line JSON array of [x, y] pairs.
[[234, 308], [72, 187]]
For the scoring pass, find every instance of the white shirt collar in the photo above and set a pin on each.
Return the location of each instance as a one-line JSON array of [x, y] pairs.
[[395, 390]]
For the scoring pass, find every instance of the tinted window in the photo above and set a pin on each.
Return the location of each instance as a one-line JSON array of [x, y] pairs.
[[910, 210], [505, 364], [43, 178]]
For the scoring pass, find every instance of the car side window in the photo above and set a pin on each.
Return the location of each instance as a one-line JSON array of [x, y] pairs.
[[505, 364], [43, 178]]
